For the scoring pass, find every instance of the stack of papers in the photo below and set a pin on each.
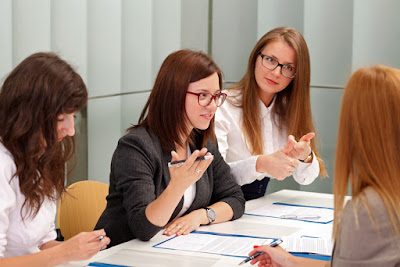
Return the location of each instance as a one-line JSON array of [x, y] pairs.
[[320, 246]]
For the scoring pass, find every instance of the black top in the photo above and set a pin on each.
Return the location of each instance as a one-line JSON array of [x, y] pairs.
[[139, 174]]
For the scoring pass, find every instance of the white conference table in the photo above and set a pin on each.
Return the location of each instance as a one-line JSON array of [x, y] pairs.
[[140, 253]]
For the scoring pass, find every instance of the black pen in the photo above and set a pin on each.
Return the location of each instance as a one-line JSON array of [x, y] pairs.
[[180, 162], [273, 244]]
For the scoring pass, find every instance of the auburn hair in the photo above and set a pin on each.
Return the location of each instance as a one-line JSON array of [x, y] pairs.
[[34, 94], [165, 112], [368, 150], [292, 108]]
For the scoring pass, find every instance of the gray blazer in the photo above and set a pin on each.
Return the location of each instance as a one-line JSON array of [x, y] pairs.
[[360, 244], [139, 174]]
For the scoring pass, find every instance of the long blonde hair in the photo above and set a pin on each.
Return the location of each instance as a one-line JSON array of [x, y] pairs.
[[292, 106], [368, 152]]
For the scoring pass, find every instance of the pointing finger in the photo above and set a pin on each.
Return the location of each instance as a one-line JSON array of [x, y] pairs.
[[307, 137]]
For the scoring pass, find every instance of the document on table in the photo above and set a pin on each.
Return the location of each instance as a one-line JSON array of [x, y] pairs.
[[131, 258], [215, 243], [321, 246], [276, 210]]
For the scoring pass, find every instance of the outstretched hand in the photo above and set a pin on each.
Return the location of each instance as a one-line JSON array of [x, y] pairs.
[[301, 149], [191, 171]]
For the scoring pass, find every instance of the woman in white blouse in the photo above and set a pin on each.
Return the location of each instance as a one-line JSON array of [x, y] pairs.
[[265, 129], [38, 103]]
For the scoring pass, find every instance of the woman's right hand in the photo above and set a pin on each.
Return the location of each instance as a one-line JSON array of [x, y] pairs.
[[191, 171], [83, 246], [272, 256]]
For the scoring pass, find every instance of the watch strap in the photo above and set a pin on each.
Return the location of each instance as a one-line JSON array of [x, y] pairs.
[[307, 160]]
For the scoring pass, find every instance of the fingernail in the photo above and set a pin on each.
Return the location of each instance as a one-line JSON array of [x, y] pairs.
[[256, 246]]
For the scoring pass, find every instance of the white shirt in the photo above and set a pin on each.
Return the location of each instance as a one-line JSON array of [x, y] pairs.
[[17, 237], [232, 145]]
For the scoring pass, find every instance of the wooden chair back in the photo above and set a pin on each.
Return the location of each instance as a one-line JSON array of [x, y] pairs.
[[80, 207]]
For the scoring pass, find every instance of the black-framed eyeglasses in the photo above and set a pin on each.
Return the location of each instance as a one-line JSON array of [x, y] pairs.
[[205, 99], [271, 64]]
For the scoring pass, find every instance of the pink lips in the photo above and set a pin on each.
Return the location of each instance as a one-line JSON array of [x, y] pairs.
[[271, 81], [209, 117], [60, 139]]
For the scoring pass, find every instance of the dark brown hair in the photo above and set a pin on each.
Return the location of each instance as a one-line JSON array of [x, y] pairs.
[[164, 112], [292, 106], [39, 89]]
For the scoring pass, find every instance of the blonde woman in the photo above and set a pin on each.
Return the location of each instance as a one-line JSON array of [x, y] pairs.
[[367, 230], [265, 129]]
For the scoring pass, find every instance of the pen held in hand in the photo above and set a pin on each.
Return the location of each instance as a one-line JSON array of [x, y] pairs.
[[273, 244], [180, 162], [301, 217]]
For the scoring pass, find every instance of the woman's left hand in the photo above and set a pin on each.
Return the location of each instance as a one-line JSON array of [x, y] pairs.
[[184, 225], [302, 148]]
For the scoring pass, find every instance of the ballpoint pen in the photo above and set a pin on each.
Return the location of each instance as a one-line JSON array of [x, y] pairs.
[[301, 217], [180, 162], [273, 244]]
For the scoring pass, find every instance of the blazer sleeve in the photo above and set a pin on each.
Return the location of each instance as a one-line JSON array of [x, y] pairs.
[[134, 168], [225, 187]]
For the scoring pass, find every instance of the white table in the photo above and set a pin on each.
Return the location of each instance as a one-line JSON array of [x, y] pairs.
[[139, 253]]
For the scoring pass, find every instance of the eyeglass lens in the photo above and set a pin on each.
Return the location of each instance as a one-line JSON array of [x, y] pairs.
[[205, 99], [271, 64]]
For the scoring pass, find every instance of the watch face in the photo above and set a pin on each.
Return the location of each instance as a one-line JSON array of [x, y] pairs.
[[211, 215]]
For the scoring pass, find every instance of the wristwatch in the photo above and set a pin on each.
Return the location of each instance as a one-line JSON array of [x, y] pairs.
[[308, 159], [211, 215]]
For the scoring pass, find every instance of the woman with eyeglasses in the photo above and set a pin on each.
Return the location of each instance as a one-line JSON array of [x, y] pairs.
[[38, 102], [177, 123], [265, 130], [366, 230]]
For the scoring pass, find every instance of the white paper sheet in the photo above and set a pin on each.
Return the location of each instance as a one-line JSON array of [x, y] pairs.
[[321, 246], [277, 210], [229, 245]]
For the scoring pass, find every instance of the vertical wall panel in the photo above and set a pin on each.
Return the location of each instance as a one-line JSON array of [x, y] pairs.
[[31, 28], [104, 124], [328, 33], [194, 25], [376, 36], [132, 107], [234, 35], [6, 39], [68, 32], [166, 32], [325, 105], [104, 77], [136, 45], [104, 46], [272, 14]]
